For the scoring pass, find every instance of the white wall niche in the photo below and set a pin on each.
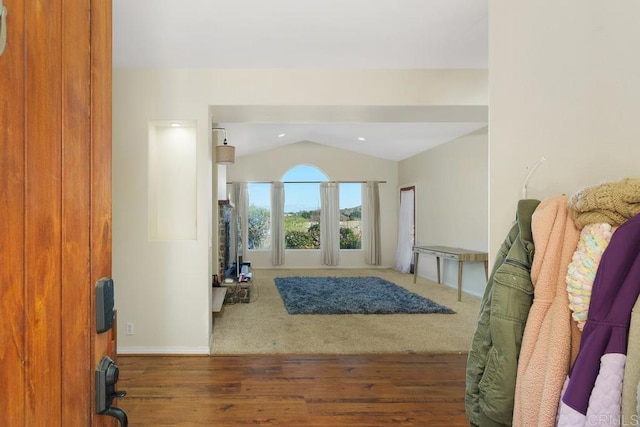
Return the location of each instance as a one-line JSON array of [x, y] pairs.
[[172, 207]]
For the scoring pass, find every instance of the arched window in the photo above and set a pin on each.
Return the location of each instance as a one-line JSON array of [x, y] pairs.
[[302, 207], [302, 210]]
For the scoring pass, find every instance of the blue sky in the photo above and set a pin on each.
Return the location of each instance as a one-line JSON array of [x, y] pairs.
[[304, 196]]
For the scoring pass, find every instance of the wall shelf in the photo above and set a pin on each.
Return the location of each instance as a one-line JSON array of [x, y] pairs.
[[219, 292]]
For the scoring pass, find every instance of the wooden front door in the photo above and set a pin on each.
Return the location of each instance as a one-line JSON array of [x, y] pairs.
[[55, 209]]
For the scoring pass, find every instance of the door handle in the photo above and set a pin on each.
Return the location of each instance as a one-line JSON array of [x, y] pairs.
[[3, 27], [118, 414], [106, 379]]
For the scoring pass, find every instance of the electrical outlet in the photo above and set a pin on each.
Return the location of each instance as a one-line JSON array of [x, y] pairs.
[[129, 328]]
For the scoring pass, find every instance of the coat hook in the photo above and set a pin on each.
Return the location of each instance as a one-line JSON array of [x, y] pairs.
[[526, 180], [3, 27]]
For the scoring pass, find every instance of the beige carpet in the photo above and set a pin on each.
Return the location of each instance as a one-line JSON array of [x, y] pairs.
[[263, 326]]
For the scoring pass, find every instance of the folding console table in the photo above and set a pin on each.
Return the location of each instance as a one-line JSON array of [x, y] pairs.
[[456, 254]]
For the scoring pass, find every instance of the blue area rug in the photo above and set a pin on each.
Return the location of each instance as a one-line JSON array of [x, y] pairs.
[[351, 295]]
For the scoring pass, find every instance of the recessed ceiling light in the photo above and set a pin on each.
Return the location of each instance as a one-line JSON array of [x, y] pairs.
[[281, 135], [176, 125], [360, 138]]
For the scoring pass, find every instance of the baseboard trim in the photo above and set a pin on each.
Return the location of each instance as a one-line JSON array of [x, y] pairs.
[[451, 285], [325, 267], [164, 350]]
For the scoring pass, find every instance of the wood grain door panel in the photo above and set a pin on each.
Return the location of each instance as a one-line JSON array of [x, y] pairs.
[[43, 173], [55, 199], [101, 243], [12, 199]]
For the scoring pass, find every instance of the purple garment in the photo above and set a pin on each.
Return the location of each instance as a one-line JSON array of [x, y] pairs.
[[615, 291]]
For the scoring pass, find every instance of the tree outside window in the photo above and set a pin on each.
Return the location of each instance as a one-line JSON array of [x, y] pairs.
[[259, 221]]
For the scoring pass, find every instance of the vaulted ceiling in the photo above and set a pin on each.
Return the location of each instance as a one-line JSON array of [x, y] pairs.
[[321, 34]]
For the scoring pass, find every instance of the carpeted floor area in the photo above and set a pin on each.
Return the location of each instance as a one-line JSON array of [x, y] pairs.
[[263, 326]]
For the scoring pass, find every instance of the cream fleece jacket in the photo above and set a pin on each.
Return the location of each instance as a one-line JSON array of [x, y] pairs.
[[551, 339]]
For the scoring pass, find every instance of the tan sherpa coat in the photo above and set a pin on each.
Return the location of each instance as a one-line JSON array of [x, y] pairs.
[[551, 339], [632, 370]]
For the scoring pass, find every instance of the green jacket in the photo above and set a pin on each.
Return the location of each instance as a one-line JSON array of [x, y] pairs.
[[493, 359]]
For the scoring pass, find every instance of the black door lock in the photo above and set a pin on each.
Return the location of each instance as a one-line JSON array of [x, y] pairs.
[[106, 379]]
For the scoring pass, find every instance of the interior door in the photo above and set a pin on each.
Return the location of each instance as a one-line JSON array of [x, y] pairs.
[[406, 230], [55, 199]]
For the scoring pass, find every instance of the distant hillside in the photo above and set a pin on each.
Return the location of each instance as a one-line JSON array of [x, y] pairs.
[[351, 214], [346, 214]]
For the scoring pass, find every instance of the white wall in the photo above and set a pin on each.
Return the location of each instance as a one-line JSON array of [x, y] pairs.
[[451, 182], [564, 84], [159, 284], [164, 287], [338, 165]]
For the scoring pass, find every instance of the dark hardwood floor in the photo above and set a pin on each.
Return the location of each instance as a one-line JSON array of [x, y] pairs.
[[294, 390]]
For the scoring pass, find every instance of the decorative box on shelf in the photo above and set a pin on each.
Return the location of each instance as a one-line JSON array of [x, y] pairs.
[[245, 274]]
